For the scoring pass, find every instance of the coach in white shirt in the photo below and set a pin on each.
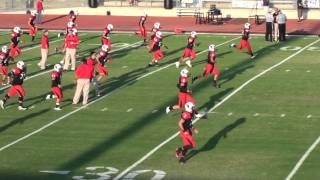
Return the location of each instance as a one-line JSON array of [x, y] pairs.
[[282, 19], [269, 24]]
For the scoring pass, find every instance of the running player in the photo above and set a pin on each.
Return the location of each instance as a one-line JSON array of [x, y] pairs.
[[15, 40], [142, 29], [186, 130], [4, 63], [189, 53], [244, 42], [155, 48], [56, 86], [106, 36], [16, 76], [32, 27], [102, 58], [211, 67]]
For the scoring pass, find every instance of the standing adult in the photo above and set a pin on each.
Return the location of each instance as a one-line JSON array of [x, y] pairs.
[[71, 43], [276, 25], [83, 75], [39, 11], [269, 22], [44, 50], [282, 19], [300, 10]]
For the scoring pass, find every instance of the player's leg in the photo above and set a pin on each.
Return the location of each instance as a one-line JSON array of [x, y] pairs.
[[183, 57], [86, 89], [250, 51], [22, 94], [215, 77], [59, 95], [77, 94]]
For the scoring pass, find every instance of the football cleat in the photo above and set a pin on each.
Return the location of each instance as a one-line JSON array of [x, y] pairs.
[[2, 104], [57, 109], [177, 64], [167, 109], [48, 97], [179, 152], [253, 56], [188, 62], [21, 108], [232, 45]]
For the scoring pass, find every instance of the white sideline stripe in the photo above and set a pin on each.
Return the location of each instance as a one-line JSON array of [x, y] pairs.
[[213, 108], [82, 107], [47, 71], [303, 158]]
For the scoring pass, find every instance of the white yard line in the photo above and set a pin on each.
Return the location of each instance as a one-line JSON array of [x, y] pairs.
[[303, 158], [48, 71], [92, 102], [135, 164]]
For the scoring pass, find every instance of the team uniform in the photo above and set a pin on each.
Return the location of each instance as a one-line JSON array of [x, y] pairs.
[[153, 35], [32, 27], [189, 51], [244, 41], [72, 18], [4, 63], [142, 29], [17, 75], [56, 84], [106, 38], [14, 48], [101, 63], [183, 95], [156, 49]]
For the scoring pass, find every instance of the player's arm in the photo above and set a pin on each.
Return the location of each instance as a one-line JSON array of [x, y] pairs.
[[181, 125], [14, 41]]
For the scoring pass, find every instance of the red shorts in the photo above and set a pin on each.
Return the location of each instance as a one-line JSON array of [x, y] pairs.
[[244, 44], [107, 42], [189, 53], [102, 69], [4, 70], [14, 51], [16, 89], [210, 68], [32, 30], [57, 91], [187, 139], [184, 98], [157, 55]]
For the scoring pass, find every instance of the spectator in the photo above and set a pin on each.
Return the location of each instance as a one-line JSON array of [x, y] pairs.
[[269, 22], [39, 11], [282, 19], [44, 50], [300, 10], [276, 25], [214, 10], [83, 75], [71, 43]]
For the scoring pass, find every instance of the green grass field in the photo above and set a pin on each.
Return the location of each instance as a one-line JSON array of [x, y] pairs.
[[259, 131]]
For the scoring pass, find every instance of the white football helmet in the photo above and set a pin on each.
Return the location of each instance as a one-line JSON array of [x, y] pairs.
[[57, 67], [70, 24], [105, 48], [189, 106], [20, 64], [184, 72], [156, 25], [74, 31], [158, 34], [4, 49], [16, 29], [247, 25], [212, 47], [33, 13], [193, 34], [110, 27]]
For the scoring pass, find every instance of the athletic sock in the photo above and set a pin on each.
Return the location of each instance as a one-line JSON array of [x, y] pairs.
[[32, 38], [57, 105]]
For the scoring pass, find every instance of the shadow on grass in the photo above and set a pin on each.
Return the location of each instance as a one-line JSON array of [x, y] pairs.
[[214, 140]]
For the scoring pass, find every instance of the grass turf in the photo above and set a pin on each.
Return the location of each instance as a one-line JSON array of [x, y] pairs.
[[245, 138]]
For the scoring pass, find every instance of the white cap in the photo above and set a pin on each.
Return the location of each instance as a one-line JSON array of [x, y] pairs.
[[247, 25], [57, 67], [212, 47], [33, 13], [189, 106], [110, 27], [105, 47], [193, 34], [20, 64], [156, 25], [184, 72], [16, 29], [4, 49]]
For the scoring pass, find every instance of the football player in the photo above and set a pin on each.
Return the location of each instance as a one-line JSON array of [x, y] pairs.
[[142, 29], [244, 42], [184, 92], [4, 63], [32, 27], [106, 36], [73, 16], [211, 67], [15, 40], [102, 58], [155, 48], [56, 86], [186, 130], [189, 53], [16, 76]]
